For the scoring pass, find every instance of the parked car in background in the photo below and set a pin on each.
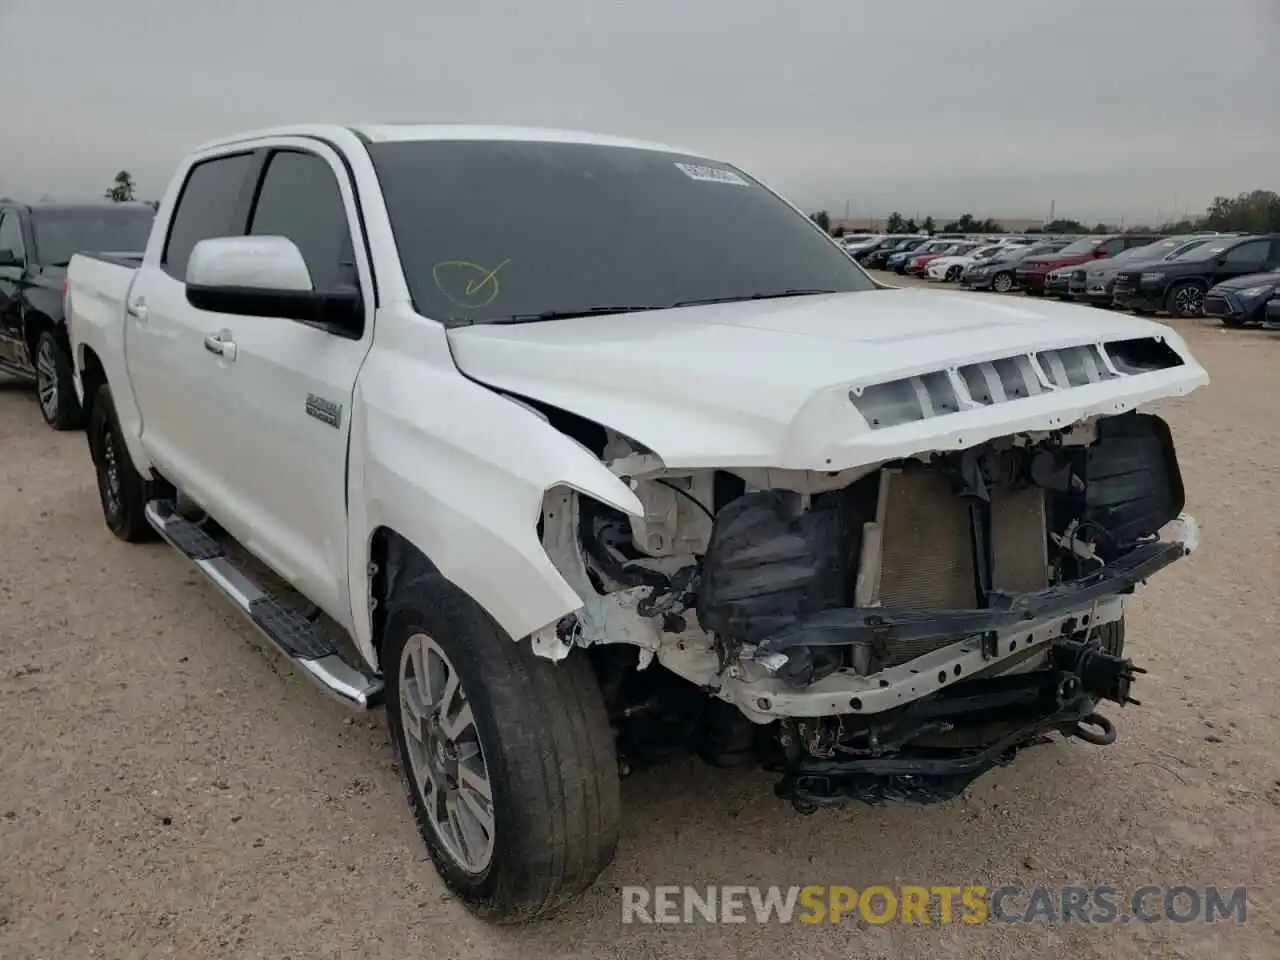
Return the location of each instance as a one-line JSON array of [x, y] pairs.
[[1271, 317], [37, 242], [1094, 282], [949, 268], [1178, 286], [997, 273], [882, 259], [1242, 301], [1032, 273], [916, 264], [864, 252], [857, 241]]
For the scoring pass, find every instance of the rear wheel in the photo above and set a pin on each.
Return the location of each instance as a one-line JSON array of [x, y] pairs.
[[55, 390], [1002, 282], [1186, 299], [508, 757], [121, 489]]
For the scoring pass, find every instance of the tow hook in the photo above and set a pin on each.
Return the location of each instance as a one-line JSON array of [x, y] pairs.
[[1095, 729]]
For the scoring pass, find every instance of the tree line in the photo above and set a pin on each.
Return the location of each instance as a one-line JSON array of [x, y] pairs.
[[1255, 211]]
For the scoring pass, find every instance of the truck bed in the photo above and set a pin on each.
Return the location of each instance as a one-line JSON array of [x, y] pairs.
[[97, 288]]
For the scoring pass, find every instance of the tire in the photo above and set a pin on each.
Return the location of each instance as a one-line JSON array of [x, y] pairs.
[[543, 741], [1185, 299], [122, 491], [1235, 323], [1002, 282], [55, 388], [953, 274]]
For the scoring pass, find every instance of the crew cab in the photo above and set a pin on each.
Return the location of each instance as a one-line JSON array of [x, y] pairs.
[[36, 243], [571, 450], [1033, 273], [1178, 286]]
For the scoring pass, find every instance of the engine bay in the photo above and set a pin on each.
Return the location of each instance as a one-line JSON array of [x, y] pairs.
[[872, 610]]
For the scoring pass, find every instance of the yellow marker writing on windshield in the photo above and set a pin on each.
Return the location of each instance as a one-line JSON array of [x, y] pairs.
[[480, 290]]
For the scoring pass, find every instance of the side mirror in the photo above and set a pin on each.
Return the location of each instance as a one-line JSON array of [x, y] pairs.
[[265, 277], [9, 259]]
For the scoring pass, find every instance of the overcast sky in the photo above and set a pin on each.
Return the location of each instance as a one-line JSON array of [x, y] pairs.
[[1110, 107]]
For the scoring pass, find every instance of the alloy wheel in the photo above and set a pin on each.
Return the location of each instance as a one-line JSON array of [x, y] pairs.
[[1189, 301], [47, 379], [446, 759], [109, 472], [1003, 283]]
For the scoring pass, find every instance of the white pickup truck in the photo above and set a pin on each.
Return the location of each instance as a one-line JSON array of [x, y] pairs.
[[574, 452]]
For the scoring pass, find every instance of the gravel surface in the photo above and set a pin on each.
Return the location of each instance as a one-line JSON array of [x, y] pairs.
[[171, 789]]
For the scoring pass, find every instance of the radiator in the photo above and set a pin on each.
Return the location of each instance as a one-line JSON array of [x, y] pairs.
[[923, 536]]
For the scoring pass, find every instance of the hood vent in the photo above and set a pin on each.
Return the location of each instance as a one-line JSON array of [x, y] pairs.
[[941, 392]]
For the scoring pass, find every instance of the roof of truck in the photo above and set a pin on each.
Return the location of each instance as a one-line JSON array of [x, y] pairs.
[[398, 132]]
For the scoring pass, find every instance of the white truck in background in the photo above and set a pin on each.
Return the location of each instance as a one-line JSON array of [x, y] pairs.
[[570, 449]]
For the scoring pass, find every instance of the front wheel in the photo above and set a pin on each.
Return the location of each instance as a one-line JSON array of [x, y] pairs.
[[508, 757], [1186, 299], [1002, 282], [953, 275], [54, 387]]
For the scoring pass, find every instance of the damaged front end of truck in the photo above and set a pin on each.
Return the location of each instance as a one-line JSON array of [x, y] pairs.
[[889, 631]]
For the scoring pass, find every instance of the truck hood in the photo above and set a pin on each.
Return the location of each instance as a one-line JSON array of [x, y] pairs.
[[821, 382]]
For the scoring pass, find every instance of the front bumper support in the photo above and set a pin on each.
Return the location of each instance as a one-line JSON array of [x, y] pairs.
[[932, 750]]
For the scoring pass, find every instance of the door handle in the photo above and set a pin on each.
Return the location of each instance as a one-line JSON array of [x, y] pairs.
[[226, 349], [137, 310]]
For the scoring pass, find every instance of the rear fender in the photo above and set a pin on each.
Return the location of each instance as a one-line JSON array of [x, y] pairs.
[[466, 490]]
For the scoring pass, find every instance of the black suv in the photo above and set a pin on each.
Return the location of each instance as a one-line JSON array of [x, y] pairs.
[[1178, 286], [36, 243]]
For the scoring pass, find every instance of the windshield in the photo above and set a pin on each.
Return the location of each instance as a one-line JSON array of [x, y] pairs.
[[506, 230], [1084, 245], [61, 233]]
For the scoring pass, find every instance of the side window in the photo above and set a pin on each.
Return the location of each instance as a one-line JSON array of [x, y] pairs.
[[11, 234], [1253, 252], [299, 199], [1112, 247], [206, 208]]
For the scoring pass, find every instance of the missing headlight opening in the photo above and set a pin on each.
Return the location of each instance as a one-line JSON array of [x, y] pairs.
[[888, 633]]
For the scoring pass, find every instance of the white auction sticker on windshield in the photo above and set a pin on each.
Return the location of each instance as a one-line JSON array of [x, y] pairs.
[[696, 171]]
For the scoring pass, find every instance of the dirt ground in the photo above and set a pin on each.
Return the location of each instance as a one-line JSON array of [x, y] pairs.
[[168, 788]]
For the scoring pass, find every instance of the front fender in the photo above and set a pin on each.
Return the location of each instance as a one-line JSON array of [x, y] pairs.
[[460, 472]]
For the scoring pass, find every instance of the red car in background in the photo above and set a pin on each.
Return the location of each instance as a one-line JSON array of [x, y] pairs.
[[943, 248], [1033, 271]]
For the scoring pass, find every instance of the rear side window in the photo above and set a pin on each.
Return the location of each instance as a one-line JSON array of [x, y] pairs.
[[1253, 252], [1112, 246], [206, 208]]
